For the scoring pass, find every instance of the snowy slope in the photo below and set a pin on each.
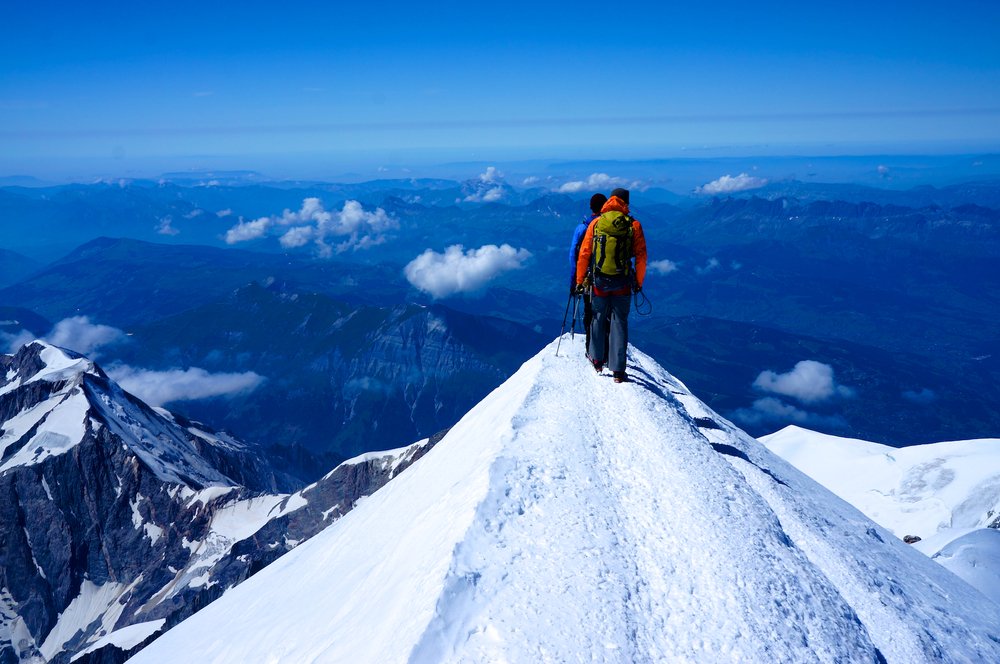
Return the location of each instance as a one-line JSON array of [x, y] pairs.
[[948, 493], [566, 518]]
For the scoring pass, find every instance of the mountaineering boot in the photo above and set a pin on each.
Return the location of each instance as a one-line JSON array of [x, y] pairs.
[[621, 377], [597, 364]]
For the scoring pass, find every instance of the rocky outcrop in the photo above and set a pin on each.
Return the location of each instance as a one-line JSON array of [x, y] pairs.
[[116, 515]]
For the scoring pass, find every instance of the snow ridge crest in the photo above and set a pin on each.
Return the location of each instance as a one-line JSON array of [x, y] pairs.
[[565, 518]]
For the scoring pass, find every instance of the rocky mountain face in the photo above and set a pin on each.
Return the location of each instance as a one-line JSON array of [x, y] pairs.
[[341, 378], [119, 520]]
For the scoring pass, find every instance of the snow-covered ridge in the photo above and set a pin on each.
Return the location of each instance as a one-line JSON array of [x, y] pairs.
[[51, 422], [566, 518], [947, 494]]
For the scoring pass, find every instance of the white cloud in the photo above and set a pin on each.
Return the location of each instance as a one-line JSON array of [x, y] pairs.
[[460, 271], [662, 267], [165, 227], [355, 227], [297, 237], [489, 196], [76, 333], [80, 335], [809, 382], [883, 170], [224, 213], [770, 409], [593, 182], [728, 184], [11, 343], [530, 180], [492, 175], [161, 387], [359, 228], [248, 230]]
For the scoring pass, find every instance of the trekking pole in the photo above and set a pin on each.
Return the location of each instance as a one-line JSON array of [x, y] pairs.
[[563, 330], [572, 328]]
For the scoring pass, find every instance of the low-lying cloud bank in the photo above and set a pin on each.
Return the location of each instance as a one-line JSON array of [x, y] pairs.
[[349, 229], [161, 387], [771, 410], [595, 182], [156, 388], [76, 333], [729, 184], [460, 271], [809, 382]]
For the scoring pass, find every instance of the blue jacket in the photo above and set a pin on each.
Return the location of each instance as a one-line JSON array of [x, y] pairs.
[[574, 248]]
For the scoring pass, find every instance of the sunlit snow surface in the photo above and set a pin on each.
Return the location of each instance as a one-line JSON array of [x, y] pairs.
[[945, 493], [567, 518]]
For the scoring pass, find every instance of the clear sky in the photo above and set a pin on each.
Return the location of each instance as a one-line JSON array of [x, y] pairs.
[[174, 83]]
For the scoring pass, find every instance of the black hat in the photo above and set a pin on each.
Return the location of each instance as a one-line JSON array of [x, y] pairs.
[[622, 194], [597, 201]]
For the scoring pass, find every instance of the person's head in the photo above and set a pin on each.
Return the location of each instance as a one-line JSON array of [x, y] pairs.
[[621, 193], [597, 201]]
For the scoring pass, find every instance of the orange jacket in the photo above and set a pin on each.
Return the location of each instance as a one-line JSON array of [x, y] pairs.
[[638, 244]]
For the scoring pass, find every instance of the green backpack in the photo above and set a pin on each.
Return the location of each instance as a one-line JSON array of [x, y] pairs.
[[613, 244]]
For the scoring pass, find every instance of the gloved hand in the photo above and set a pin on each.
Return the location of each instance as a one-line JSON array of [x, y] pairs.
[[636, 288], [580, 289]]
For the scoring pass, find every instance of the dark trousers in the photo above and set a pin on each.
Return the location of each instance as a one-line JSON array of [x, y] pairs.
[[611, 324]]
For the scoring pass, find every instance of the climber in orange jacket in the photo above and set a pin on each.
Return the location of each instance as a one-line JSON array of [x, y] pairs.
[[612, 263]]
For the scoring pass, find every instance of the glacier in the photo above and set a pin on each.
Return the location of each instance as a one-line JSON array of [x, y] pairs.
[[567, 518], [947, 495]]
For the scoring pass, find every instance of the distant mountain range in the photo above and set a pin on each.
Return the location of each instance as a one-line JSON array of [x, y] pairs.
[[899, 296]]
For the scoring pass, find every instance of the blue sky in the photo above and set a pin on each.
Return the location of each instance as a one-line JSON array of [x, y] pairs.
[[179, 83]]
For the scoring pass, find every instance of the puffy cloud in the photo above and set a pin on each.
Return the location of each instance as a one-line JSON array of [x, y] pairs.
[[297, 237], [224, 213], [460, 271], [165, 227], [353, 226], [492, 175], [530, 180], [80, 335], [809, 382], [922, 396], [245, 231], [728, 184], [662, 267], [359, 228], [161, 387], [772, 410], [594, 182]]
